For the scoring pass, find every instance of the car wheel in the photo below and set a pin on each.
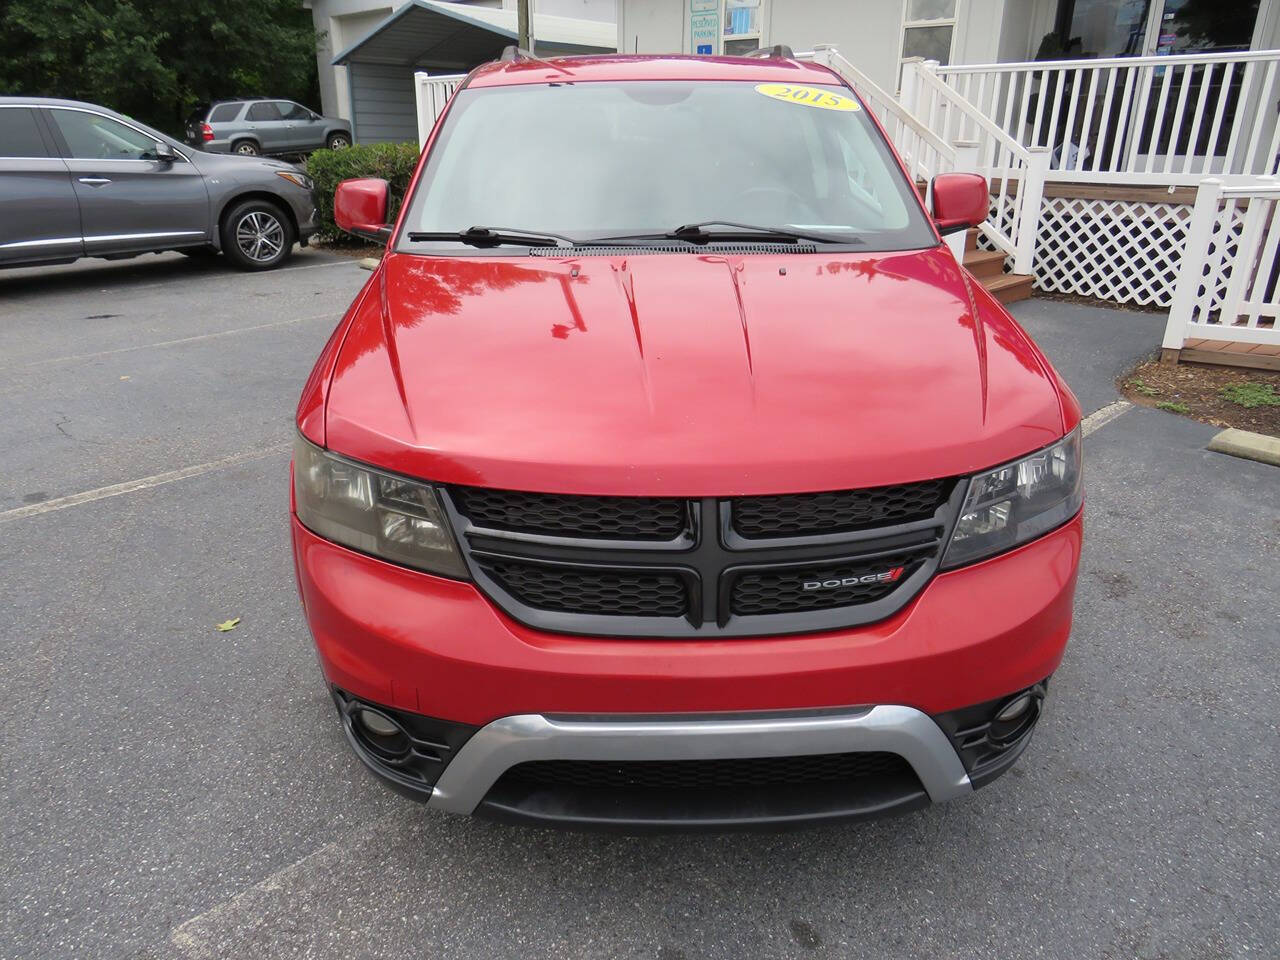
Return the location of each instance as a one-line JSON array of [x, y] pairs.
[[256, 235], [246, 148], [338, 141]]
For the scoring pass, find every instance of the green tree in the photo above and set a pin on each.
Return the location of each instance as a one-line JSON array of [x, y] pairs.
[[156, 59]]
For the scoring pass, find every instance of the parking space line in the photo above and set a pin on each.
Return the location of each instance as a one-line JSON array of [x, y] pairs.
[[197, 938], [1100, 418], [144, 483], [171, 343]]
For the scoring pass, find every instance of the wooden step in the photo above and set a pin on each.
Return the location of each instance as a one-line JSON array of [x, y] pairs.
[[1010, 287], [985, 263], [971, 239]]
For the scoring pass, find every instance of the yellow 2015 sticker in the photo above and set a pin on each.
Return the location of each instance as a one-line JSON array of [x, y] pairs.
[[823, 99]]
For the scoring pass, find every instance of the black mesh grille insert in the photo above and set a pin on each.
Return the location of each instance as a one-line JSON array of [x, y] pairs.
[[803, 514], [553, 514], [575, 590], [785, 590], [712, 774]]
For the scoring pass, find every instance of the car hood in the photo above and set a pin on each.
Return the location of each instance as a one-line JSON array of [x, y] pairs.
[[233, 162], [685, 374]]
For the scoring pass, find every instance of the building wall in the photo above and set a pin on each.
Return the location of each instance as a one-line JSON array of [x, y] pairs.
[[602, 10], [868, 32], [342, 22]]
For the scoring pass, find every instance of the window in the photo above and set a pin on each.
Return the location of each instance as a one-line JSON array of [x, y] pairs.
[[928, 28], [264, 111], [19, 135], [225, 113], [293, 111], [730, 27], [741, 20], [91, 136], [597, 160]]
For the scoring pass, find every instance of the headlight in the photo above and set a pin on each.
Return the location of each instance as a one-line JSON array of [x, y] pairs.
[[297, 179], [387, 516], [1018, 502]]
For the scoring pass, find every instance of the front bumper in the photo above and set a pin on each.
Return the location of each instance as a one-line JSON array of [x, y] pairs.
[[671, 773], [428, 647]]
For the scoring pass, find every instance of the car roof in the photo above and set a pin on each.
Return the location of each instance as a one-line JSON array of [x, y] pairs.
[[55, 102], [622, 67]]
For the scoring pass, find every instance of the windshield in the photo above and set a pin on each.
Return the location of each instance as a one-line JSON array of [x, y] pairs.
[[596, 160]]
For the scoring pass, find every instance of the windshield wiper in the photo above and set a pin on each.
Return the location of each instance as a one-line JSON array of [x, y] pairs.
[[727, 231], [708, 231], [494, 236]]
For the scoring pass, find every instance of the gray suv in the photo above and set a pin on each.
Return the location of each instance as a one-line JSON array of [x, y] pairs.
[[79, 180], [262, 126]]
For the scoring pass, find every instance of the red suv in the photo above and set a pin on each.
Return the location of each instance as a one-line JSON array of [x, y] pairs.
[[670, 472]]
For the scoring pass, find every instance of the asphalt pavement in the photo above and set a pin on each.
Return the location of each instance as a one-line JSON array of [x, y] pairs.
[[167, 790]]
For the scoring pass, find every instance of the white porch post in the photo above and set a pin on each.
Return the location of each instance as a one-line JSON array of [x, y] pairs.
[[907, 91], [1203, 215], [1030, 200]]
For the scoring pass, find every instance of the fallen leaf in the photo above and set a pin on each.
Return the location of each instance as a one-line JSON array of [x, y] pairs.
[[226, 626], [124, 378]]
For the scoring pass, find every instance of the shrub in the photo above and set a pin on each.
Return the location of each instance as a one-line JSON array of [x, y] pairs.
[[393, 162]]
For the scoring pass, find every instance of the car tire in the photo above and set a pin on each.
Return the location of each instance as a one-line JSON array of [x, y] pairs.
[[256, 235], [338, 141], [246, 148]]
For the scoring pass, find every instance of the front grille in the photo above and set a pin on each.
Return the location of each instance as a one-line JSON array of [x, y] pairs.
[[806, 514], [559, 515], [815, 588], [592, 591], [711, 774], [679, 567]]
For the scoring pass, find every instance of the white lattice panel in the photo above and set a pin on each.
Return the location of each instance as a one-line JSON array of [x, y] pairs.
[[1117, 250]]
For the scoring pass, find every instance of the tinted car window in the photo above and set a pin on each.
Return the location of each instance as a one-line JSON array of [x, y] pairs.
[[93, 137], [225, 112], [263, 111], [19, 135], [293, 111]]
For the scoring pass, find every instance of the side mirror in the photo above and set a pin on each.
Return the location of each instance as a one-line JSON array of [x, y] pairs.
[[360, 207], [163, 152], [960, 201]]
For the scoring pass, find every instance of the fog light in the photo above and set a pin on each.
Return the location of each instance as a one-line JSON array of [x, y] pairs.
[[1014, 709], [376, 724]]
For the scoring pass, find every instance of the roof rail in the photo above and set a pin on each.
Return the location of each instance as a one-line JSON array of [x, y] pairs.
[[512, 53], [779, 51]]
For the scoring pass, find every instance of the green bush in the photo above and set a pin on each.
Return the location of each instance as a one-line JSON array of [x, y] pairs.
[[393, 162]]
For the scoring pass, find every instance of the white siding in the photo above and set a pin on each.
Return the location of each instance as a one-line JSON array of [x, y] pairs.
[[977, 38], [383, 98], [868, 32], [652, 26]]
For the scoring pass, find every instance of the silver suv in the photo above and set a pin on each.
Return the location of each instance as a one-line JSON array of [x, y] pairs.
[[261, 126], [79, 180]]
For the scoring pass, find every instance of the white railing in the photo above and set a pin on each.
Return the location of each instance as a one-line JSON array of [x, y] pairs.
[[923, 151], [431, 93], [1165, 120], [929, 147], [1016, 173], [1229, 282]]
